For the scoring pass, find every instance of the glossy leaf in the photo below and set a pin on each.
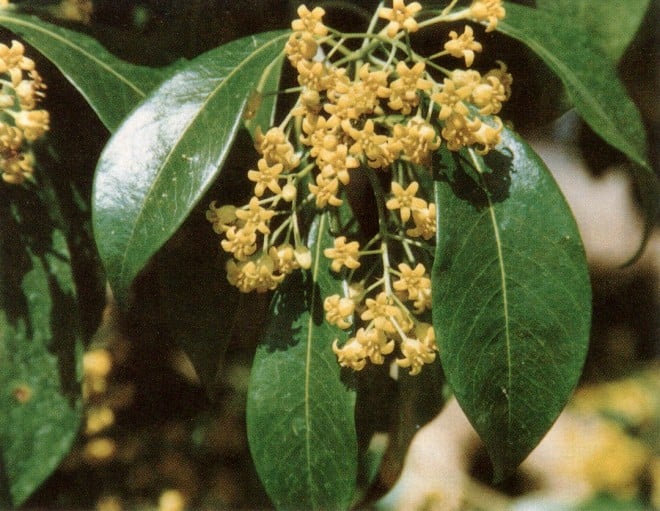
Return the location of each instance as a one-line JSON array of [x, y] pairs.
[[611, 25], [163, 158], [590, 78], [40, 349], [111, 86], [300, 409], [511, 296]]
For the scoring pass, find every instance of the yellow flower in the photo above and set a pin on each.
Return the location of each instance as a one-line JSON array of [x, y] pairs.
[[452, 96], [352, 354], [33, 123], [320, 133], [424, 223], [403, 90], [256, 274], [343, 254], [418, 139], [338, 310], [463, 46], [275, 148], [265, 177], [383, 313], [489, 95], [242, 243], [287, 259], [405, 200], [325, 191], [487, 136], [336, 162], [376, 344], [255, 217], [400, 16], [414, 282], [459, 131], [415, 354], [300, 46], [222, 218], [310, 21], [376, 148], [487, 10]]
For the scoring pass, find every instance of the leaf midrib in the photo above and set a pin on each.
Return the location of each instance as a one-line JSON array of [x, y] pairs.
[[308, 358], [123, 266]]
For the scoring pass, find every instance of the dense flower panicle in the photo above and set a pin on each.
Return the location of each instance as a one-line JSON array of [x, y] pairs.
[[380, 107], [20, 122], [400, 16], [487, 10], [463, 46]]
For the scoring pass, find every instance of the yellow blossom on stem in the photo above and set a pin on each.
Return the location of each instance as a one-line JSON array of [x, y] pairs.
[[275, 148], [222, 218], [382, 312], [375, 148], [255, 274], [400, 16], [265, 177], [255, 217], [242, 243], [310, 21], [489, 95], [415, 285], [325, 191], [405, 200], [487, 10], [403, 90], [418, 139], [343, 254], [487, 136], [463, 46], [415, 354], [338, 310], [300, 46], [425, 223], [376, 344], [352, 354], [336, 163]]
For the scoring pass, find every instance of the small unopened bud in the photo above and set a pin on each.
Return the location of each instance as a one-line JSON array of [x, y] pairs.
[[303, 256], [289, 192]]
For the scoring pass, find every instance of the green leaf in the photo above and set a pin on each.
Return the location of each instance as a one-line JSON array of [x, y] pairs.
[[611, 25], [590, 78], [40, 349], [111, 86], [511, 297], [300, 408], [160, 162]]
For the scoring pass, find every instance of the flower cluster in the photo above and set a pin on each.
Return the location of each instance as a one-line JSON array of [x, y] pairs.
[[21, 123], [374, 115]]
